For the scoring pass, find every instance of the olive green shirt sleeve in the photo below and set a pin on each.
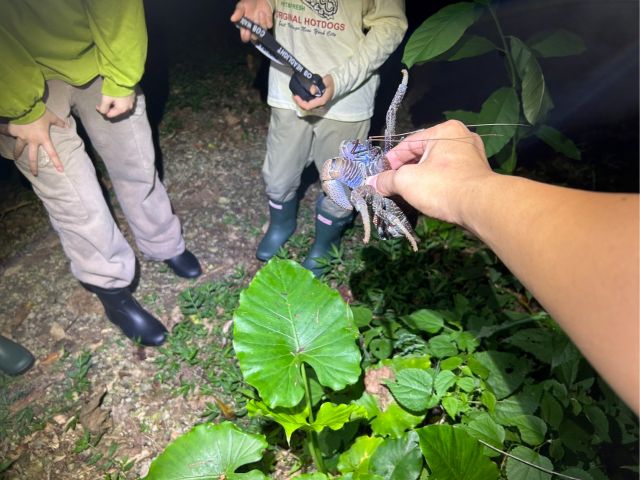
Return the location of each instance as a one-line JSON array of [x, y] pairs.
[[120, 35], [21, 82]]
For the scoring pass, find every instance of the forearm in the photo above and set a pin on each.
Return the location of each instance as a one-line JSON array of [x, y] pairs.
[[577, 252]]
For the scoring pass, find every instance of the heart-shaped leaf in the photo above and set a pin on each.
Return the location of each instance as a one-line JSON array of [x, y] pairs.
[[286, 318], [413, 389], [209, 451]]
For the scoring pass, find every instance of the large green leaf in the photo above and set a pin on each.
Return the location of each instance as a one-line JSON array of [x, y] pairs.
[[440, 32], [559, 43], [398, 459], [502, 107], [452, 454], [209, 451], [357, 458], [286, 318], [558, 141], [521, 471], [413, 389], [536, 101]]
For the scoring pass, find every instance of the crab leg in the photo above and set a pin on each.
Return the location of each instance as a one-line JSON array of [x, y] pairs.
[[360, 203]]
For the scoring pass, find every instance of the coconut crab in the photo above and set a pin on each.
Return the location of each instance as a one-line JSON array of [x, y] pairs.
[[344, 179]]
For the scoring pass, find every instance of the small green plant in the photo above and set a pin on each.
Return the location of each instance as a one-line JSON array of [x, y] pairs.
[[512, 112]]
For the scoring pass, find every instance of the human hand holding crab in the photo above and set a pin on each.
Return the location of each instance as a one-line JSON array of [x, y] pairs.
[[344, 180]]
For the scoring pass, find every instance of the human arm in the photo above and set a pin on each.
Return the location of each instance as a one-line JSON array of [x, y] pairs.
[[385, 24], [119, 32], [576, 251], [258, 11], [21, 103]]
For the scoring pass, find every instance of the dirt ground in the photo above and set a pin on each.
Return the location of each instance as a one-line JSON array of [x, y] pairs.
[[212, 174]]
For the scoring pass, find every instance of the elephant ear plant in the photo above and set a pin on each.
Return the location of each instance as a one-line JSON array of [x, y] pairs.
[[289, 330], [288, 327], [512, 112]]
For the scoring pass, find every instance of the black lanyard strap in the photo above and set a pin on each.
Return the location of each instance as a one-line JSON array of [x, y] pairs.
[[301, 79]]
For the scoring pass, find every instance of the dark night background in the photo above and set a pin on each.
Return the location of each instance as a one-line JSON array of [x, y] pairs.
[[595, 94]]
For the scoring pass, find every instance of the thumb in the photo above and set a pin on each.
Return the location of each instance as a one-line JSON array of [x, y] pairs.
[[105, 106], [384, 183]]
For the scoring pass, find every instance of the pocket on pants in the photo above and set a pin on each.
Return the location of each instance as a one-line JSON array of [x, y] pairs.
[[61, 198]]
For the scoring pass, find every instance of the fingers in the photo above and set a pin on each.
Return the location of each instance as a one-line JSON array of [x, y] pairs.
[[411, 149], [18, 148], [53, 155], [261, 17], [238, 13], [33, 158], [112, 107], [105, 105], [311, 104], [265, 19], [384, 183], [116, 110]]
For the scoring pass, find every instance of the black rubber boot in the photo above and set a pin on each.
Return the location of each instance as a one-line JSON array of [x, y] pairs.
[[124, 311], [329, 230], [14, 358], [185, 265], [282, 224]]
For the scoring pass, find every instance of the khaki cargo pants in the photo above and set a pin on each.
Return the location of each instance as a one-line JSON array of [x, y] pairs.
[[98, 252], [294, 142]]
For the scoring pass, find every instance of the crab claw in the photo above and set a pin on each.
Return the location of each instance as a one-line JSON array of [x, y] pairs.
[[335, 189]]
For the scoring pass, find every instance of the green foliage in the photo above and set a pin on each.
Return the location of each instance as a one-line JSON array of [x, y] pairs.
[[516, 111], [460, 376]]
